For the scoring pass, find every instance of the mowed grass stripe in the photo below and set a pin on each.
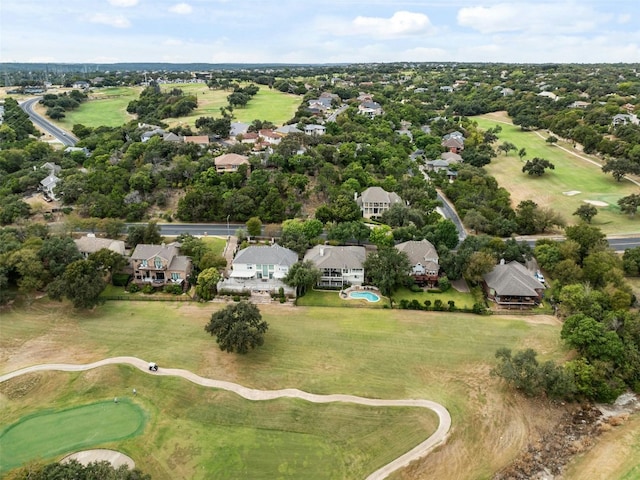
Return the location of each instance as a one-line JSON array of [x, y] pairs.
[[48, 433], [570, 174]]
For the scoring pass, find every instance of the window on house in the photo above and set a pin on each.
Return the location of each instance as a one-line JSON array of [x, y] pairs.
[[143, 263], [157, 262], [175, 276]]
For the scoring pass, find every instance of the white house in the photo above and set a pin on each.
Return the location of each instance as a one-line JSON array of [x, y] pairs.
[[315, 129], [260, 268], [374, 201], [263, 262], [339, 266]]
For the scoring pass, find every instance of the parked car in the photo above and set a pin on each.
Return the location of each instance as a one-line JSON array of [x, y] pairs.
[[539, 276]]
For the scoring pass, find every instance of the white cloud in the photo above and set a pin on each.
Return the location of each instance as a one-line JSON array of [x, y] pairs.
[[401, 23], [117, 21], [123, 3], [531, 17], [624, 18], [181, 8], [172, 42]]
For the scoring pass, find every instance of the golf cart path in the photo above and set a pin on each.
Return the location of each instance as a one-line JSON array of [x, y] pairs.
[[419, 451]]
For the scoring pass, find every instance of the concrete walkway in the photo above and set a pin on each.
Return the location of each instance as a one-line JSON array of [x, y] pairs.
[[438, 438]]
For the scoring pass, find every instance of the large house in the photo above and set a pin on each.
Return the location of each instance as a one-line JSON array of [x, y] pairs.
[[374, 201], [90, 244], [511, 285], [260, 268], [263, 262], [423, 258], [339, 266], [230, 162], [159, 265], [370, 109]]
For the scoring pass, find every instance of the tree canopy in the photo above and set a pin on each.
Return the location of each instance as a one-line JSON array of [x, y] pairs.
[[238, 327]]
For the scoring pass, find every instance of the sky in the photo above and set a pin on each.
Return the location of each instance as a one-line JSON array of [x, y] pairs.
[[325, 31]]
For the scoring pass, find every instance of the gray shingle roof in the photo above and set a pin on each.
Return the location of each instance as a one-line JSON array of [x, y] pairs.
[[420, 252], [328, 256], [262, 254], [513, 279], [88, 244], [378, 195]]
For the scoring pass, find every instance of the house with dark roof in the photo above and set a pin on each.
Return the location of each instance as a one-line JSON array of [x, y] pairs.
[[423, 258], [370, 108], [511, 285], [159, 265], [339, 266], [374, 201]]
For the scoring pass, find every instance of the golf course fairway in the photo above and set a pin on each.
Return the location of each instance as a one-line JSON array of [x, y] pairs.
[[46, 434]]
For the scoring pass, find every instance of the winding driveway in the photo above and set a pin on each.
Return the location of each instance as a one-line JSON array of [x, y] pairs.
[[422, 449]]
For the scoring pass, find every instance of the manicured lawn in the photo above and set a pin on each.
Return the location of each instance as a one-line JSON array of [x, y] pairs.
[[215, 244], [271, 105], [47, 433], [570, 174], [462, 300], [107, 106], [199, 433], [331, 298], [378, 353]]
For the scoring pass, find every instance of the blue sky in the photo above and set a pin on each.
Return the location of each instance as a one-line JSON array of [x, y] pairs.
[[326, 31]]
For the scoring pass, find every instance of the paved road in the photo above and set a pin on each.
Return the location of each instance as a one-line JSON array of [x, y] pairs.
[[63, 136], [438, 438]]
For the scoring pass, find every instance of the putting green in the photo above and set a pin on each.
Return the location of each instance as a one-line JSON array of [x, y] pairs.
[[46, 434]]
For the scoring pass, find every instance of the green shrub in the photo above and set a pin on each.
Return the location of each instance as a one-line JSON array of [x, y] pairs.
[[120, 279], [175, 289], [415, 288], [437, 305], [236, 298], [133, 288], [148, 289], [444, 284]]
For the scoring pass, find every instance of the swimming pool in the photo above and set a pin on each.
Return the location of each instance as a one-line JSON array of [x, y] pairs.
[[368, 296]]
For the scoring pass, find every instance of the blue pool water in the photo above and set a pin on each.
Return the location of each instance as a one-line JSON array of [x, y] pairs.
[[368, 296]]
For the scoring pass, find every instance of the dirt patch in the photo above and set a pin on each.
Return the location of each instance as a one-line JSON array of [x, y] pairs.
[[116, 459], [571, 193], [576, 432]]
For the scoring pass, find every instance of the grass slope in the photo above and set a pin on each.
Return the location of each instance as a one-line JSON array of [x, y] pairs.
[[107, 106], [571, 174], [270, 105], [201, 433], [377, 353], [45, 434]]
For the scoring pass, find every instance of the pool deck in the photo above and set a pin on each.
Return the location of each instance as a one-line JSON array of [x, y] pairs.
[[345, 294]]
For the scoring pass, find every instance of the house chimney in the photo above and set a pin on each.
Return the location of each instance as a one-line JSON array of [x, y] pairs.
[[322, 251], [355, 195]]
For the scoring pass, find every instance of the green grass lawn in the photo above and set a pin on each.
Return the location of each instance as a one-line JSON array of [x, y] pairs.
[[379, 353], [200, 433], [107, 106], [47, 433], [270, 105], [570, 174], [462, 300], [331, 298]]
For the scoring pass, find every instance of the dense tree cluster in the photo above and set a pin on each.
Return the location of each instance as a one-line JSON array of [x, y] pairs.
[[57, 105], [154, 105], [74, 469]]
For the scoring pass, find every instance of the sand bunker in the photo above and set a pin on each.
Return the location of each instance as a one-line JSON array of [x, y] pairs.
[[596, 203], [571, 193], [116, 459]]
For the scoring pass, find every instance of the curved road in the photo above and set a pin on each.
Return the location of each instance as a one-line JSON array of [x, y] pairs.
[[64, 137], [422, 449]]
